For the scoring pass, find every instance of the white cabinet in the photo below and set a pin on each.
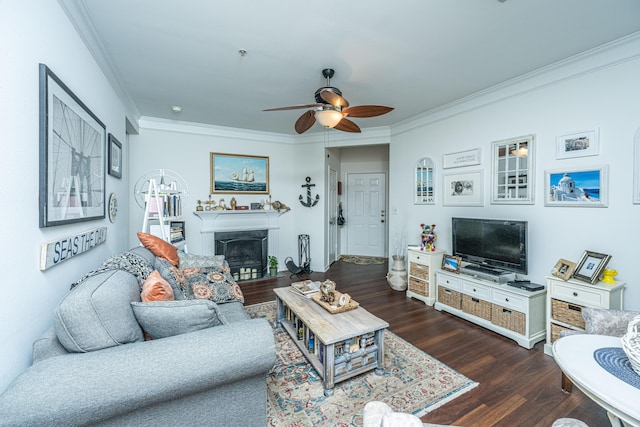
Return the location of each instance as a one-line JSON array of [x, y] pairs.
[[566, 299], [422, 274], [512, 312]]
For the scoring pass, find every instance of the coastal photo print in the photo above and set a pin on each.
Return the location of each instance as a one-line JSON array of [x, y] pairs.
[[582, 187], [235, 173]]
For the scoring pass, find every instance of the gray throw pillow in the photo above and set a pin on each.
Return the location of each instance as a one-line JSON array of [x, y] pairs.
[[162, 319], [199, 261]]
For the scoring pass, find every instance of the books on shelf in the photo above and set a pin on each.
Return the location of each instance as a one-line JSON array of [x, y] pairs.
[[305, 288]]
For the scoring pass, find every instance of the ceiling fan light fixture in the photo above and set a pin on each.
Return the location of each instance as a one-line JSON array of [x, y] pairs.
[[328, 118]]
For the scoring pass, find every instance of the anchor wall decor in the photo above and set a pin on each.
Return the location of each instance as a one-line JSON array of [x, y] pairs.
[[309, 202]]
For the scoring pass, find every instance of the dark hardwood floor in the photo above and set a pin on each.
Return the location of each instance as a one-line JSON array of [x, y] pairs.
[[518, 387]]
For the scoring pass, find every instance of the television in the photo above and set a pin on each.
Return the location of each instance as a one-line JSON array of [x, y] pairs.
[[491, 243]]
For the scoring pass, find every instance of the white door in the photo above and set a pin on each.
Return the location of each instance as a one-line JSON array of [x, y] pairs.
[[366, 219], [333, 217]]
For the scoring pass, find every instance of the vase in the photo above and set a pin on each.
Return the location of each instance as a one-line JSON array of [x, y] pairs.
[[397, 277]]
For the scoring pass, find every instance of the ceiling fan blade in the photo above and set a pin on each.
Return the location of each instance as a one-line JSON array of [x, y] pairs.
[[305, 121], [333, 99], [294, 107], [347, 125], [367, 110]]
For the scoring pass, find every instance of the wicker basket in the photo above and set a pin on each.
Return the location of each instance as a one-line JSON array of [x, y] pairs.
[[449, 297], [556, 330], [419, 270], [419, 286], [476, 307], [568, 313], [507, 318], [631, 343]]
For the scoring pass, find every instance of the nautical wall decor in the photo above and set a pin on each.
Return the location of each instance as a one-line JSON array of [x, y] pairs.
[[309, 202]]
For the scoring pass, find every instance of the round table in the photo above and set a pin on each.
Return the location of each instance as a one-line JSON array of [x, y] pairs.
[[574, 355]]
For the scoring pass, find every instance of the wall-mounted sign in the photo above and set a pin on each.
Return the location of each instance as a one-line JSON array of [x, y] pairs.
[[57, 251]]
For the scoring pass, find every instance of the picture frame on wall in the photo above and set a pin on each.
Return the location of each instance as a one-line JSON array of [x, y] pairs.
[[451, 263], [72, 151], [463, 189], [239, 174], [578, 187], [563, 269], [590, 266], [114, 157], [461, 158], [578, 144]]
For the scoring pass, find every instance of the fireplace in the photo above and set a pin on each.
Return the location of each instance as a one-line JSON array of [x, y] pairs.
[[245, 251]]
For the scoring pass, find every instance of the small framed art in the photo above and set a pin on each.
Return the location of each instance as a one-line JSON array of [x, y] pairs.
[[115, 157], [463, 189], [451, 263], [590, 266], [579, 144], [563, 269], [582, 187]]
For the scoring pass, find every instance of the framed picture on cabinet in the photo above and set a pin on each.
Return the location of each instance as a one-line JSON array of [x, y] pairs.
[[578, 144], [590, 266], [72, 150], [451, 263], [463, 189], [580, 187], [563, 269]]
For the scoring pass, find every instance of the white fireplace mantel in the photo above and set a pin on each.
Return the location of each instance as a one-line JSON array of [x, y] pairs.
[[221, 220]]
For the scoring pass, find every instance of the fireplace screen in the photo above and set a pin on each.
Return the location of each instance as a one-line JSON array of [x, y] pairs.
[[245, 251]]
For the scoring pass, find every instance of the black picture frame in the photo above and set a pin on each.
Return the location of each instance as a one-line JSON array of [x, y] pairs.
[[72, 150], [114, 157]]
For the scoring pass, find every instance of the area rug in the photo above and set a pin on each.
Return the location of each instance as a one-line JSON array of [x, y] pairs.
[[412, 382], [363, 260]]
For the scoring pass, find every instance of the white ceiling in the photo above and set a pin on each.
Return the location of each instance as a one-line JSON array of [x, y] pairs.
[[414, 55]]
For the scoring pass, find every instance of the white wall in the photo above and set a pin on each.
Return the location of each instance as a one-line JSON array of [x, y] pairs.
[[605, 97], [36, 32]]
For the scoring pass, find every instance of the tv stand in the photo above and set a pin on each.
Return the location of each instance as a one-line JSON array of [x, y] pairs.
[[511, 312], [488, 273]]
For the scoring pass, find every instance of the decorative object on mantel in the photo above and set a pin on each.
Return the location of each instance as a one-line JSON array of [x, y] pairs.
[[233, 203], [279, 206], [199, 208], [309, 202]]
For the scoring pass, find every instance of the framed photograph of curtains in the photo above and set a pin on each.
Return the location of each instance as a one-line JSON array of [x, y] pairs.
[[72, 156]]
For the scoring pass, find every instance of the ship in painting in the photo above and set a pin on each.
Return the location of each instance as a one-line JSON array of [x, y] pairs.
[[247, 175]]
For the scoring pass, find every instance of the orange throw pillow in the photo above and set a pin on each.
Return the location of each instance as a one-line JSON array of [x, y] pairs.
[[155, 288], [159, 247]]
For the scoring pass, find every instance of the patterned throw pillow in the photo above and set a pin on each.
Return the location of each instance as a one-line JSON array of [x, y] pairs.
[[198, 261], [212, 283]]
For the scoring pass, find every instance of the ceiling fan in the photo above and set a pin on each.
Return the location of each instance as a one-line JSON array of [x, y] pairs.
[[331, 109]]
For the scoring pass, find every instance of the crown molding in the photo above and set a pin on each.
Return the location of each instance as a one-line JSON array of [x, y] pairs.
[[605, 56], [77, 13]]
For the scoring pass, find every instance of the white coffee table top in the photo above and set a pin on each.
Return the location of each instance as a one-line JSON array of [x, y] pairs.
[[574, 355], [330, 328]]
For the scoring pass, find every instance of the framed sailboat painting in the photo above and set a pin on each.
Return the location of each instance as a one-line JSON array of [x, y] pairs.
[[239, 174]]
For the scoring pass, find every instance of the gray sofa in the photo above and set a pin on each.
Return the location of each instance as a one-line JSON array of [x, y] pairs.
[[214, 376]]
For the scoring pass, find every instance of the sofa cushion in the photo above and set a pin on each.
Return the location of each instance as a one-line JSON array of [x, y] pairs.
[[196, 261], [159, 247], [155, 288], [170, 272], [143, 253], [97, 313], [162, 319], [212, 283]]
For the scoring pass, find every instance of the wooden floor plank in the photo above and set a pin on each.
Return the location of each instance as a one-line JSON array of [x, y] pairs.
[[518, 387]]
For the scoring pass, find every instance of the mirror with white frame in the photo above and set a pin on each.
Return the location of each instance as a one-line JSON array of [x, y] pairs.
[[512, 181], [424, 188]]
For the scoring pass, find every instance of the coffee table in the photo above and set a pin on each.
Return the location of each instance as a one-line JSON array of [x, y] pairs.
[[338, 346], [574, 355]]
